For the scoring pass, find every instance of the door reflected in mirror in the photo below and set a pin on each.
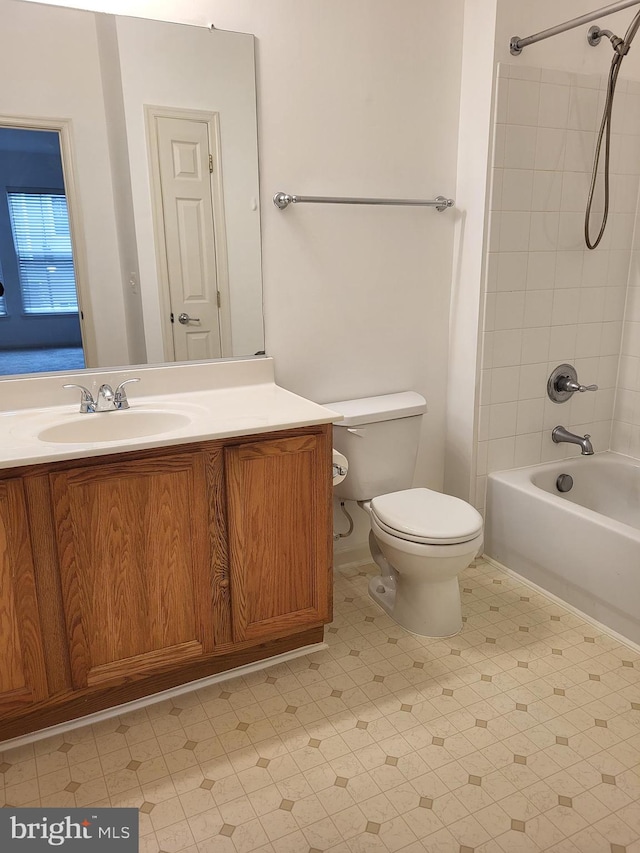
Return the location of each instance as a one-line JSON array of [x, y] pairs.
[[189, 210], [157, 168]]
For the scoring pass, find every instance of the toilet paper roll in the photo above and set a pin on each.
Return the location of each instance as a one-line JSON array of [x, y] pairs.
[[340, 467]]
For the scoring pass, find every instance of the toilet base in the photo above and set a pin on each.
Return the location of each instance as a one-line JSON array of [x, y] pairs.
[[418, 583], [383, 591]]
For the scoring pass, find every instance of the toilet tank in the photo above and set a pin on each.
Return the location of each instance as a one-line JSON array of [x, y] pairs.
[[379, 436]]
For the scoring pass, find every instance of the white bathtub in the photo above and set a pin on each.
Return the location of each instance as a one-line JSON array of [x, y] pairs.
[[583, 545]]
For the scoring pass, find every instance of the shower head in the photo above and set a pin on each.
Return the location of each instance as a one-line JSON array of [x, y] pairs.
[[621, 47]]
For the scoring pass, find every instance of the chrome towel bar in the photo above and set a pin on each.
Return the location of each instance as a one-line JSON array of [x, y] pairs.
[[283, 200]]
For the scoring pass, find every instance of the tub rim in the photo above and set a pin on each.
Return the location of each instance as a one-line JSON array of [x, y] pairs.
[[521, 480]]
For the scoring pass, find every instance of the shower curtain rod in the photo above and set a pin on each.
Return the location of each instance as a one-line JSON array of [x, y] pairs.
[[517, 43]]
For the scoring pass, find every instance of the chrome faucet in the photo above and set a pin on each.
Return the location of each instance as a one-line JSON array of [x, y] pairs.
[[107, 400], [560, 434]]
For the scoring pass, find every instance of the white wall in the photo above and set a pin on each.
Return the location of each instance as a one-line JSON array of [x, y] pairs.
[[121, 181], [476, 99], [362, 99], [357, 99], [626, 423]]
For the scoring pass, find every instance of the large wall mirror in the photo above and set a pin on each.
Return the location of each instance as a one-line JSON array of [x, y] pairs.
[[129, 205]]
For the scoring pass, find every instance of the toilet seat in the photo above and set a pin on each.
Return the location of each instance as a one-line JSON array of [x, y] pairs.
[[426, 517]]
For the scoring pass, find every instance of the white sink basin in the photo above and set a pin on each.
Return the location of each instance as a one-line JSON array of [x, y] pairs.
[[113, 426]]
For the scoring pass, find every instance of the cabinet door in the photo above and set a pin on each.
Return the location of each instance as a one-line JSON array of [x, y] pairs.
[[279, 508], [22, 673], [136, 545]]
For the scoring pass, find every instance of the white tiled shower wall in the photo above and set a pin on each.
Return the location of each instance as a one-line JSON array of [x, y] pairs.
[[548, 299], [625, 437]]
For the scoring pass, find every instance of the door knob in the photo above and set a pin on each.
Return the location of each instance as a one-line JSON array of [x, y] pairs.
[[185, 319]]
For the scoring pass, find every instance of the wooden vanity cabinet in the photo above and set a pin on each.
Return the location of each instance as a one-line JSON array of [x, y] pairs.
[[141, 557], [22, 672], [278, 542], [158, 567]]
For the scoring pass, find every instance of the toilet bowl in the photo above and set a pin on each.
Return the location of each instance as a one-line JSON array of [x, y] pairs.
[[432, 538], [420, 539]]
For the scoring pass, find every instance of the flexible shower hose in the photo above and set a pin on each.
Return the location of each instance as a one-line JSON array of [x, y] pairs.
[[620, 48]]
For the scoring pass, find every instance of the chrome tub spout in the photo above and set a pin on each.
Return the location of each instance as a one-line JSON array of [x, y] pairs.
[[560, 434]]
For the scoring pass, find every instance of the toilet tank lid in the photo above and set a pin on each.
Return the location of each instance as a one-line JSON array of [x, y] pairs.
[[371, 410]]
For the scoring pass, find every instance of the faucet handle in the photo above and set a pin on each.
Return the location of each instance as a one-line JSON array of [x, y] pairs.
[[87, 403], [563, 382], [120, 395], [568, 384]]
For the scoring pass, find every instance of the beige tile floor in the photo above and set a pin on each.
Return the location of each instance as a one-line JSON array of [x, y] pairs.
[[521, 734]]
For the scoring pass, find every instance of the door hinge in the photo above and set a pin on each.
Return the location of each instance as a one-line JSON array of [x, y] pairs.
[[211, 162], [218, 298]]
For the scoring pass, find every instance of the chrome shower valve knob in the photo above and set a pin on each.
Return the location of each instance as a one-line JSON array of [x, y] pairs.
[[563, 383]]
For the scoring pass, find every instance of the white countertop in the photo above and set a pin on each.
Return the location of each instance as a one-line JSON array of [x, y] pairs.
[[220, 399]]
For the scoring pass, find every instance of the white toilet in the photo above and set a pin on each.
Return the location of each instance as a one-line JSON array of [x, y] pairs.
[[420, 539]]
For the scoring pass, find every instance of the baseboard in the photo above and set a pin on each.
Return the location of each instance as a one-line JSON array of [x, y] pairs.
[[349, 558], [170, 693], [561, 603]]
